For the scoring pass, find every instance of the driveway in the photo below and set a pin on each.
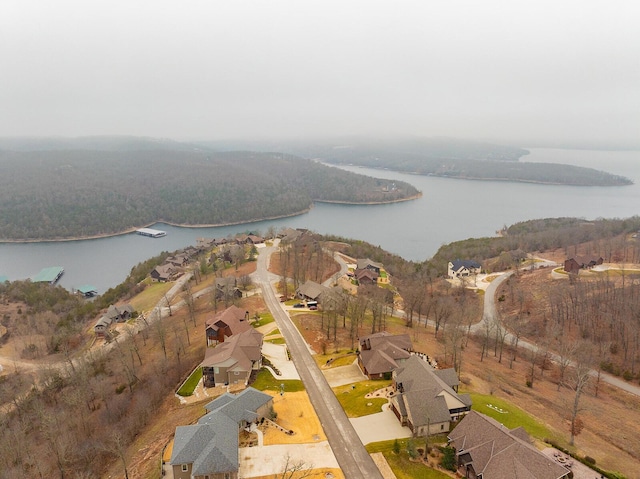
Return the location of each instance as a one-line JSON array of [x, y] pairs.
[[344, 375], [277, 354], [270, 460], [382, 426]]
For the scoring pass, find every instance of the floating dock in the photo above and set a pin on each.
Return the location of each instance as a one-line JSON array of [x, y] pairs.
[[151, 232], [87, 290], [48, 275]]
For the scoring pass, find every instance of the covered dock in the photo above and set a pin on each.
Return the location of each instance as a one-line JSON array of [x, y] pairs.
[[48, 275], [151, 232], [87, 290]]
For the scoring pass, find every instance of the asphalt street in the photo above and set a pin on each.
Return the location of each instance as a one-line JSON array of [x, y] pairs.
[[353, 458]]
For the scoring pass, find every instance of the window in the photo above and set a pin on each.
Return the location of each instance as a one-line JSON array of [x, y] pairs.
[[236, 372], [441, 427], [227, 475], [216, 370], [185, 468]]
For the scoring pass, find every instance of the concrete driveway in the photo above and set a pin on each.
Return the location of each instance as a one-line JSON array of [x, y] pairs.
[[382, 426], [270, 460], [277, 354], [344, 375]]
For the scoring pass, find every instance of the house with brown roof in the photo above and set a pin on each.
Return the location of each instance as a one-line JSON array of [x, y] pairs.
[[425, 398], [488, 450], [233, 361], [163, 273], [575, 264], [312, 291], [366, 276], [226, 323], [381, 353]]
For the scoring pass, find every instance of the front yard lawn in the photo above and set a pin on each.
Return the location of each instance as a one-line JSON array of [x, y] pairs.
[[353, 401], [265, 381]]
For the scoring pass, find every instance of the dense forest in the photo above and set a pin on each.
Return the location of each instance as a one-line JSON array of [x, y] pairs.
[[57, 193], [447, 157]]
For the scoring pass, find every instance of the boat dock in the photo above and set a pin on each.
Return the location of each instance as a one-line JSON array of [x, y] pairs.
[[48, 275], [151, 232]]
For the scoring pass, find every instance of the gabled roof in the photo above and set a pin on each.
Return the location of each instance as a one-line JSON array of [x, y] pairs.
[[238, 407], [239, 351], [312, 290], [498, 453], [426, 396], [366, 273], [366, 263], [382, 339], [458, 264], [233, 317], [211, 448]]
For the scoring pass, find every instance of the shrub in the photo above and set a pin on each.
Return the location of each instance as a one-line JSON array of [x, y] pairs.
[[589, 459], [448, 458]]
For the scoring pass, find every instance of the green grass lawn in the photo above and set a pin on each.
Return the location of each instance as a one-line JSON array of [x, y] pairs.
[[265, 381], [353, 401], [513, 417], [274, 332], [343, 357], [400, 463], [276, 341], [148, 299], [190, 384], [265, 318]]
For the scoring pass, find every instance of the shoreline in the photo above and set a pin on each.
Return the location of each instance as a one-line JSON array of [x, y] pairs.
[[186, 225], [390, 202]]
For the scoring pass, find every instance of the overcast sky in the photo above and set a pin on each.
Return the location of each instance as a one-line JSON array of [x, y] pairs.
[[511, 70]]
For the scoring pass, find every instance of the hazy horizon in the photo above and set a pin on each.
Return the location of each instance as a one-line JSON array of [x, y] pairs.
[[535, 73]]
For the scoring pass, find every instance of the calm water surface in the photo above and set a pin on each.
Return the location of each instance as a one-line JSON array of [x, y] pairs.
[[449, 210]]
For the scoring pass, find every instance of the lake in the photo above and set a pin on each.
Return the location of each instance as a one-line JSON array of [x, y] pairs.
[[449, 210]]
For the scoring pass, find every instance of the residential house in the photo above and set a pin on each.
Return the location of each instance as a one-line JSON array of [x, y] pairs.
[[233, 361], [461, 268], [232, 320], [312, 291], [179, 260], [163, 273], [425, 398], [381, 353], [227, 289], [246, 407], [575, 264], [114, 314], [488, 450], [370, 265], [366, 276], [209, 449]]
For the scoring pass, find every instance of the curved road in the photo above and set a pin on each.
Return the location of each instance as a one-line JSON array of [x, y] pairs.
[[490, 314], [351, 455]]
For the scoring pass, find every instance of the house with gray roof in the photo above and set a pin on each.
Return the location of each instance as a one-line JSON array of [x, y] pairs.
[[461, 268], [209, 449], [425, 400], [114, 314], [488, 450], [370, 265], [313, 291]]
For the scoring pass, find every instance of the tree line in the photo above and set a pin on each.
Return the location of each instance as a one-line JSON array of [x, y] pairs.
[[79, 193]]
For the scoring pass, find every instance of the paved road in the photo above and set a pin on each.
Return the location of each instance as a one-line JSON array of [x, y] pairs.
[[352, 457], [490, 314]]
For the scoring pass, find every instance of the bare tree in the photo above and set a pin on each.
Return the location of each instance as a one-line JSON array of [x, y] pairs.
[[300, 469], [580, 379]]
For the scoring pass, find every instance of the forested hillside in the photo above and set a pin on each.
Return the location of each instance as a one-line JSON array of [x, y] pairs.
[[448, 157], [74, 193]]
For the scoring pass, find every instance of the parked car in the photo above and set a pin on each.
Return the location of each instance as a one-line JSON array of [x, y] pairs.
[[298, 305], [313, 308]]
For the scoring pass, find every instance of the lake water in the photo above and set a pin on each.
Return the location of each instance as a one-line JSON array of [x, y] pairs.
[[449, 210]]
